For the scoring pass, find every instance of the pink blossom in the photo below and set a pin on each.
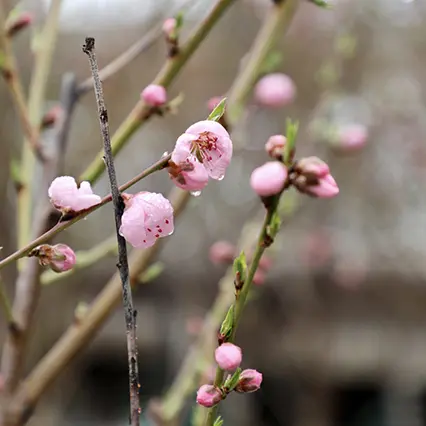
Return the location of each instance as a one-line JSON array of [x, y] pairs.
[[352, 137], [268, 179], [313, 178], [65, 195], [228, 356], [189, 175], [275, 146], [210, 143], [169, 27], [275, 90], [222, 252], [208, 396], [154, 95], [326, 188], [259, 277], [250, 381], [147, 217], [59, 258]]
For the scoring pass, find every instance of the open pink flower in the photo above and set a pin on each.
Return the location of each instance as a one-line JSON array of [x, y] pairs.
[[65, 195], [190, 175], [147, 217], [210, 143]]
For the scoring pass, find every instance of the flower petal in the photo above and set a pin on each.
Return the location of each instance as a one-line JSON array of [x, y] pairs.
[[182, 148], [208, 126]]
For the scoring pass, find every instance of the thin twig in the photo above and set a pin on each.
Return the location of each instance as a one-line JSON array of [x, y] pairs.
[[10, 73], [123, 266], [78, 335], [141, 112], [61, 226], [43, 59]]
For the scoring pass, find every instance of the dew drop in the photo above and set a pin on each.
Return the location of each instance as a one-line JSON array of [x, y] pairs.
[[220, 177], [196, 193]]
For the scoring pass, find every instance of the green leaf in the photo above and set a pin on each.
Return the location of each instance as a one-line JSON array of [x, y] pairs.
[[218, 421], [153, 272], [227, 324], [240, 266], [322, 3], [272, 62], [179, 21], [232, 381], [292, 127], [15, 171], [275, 225], [217, 113]]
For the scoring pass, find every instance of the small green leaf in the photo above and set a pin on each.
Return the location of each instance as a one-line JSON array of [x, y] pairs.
[[292, 127], [322, 3], [232, 381], [179, 21], [275, 225], [218, 421], [272, 62], [217, 113], [153, 272], [240, 266], [227, 324], [15, 171]]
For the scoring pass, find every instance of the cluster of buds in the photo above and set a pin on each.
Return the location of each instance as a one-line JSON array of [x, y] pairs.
[[309, 175], [228, 357]]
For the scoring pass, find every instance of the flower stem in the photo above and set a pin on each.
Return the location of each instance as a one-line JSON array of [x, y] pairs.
[[123, 265], [61, 226], [274, 27], [141, 112], [43, 59]]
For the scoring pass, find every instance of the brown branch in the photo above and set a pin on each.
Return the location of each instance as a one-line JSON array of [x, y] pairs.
[[122, 265], [78, 335]]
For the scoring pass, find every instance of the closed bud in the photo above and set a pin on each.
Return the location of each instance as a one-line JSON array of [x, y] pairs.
[[154, 95], [228, 356], [208, 396], [169, 28], [17, 22], [275, 90], [250, 381], [59, 258], [269, 179], [275, 146]]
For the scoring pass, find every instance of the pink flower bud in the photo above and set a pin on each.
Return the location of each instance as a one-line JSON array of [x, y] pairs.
[[210, 143], [250, 381], [147, 217], [268, 179], [169, 28], [154, 95], [51, 116], [275, 90], [190, 175], [222, 252], [313, 178], [59, 258], [228, 356], [17, 23], [259, 277], [208, 396], [65, 195], [351, 138], [213, 102], [275, 146]]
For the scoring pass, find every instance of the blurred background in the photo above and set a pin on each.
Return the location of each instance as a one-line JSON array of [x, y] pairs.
[[338, 328]]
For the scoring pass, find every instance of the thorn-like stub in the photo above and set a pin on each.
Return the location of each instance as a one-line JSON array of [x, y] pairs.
[[89, 45], [103, 116]]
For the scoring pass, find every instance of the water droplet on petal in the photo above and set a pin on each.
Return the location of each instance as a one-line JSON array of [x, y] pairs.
[[196, 193], [220, 177]]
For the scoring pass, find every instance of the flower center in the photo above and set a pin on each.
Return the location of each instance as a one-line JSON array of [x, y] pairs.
[[206, 142]]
